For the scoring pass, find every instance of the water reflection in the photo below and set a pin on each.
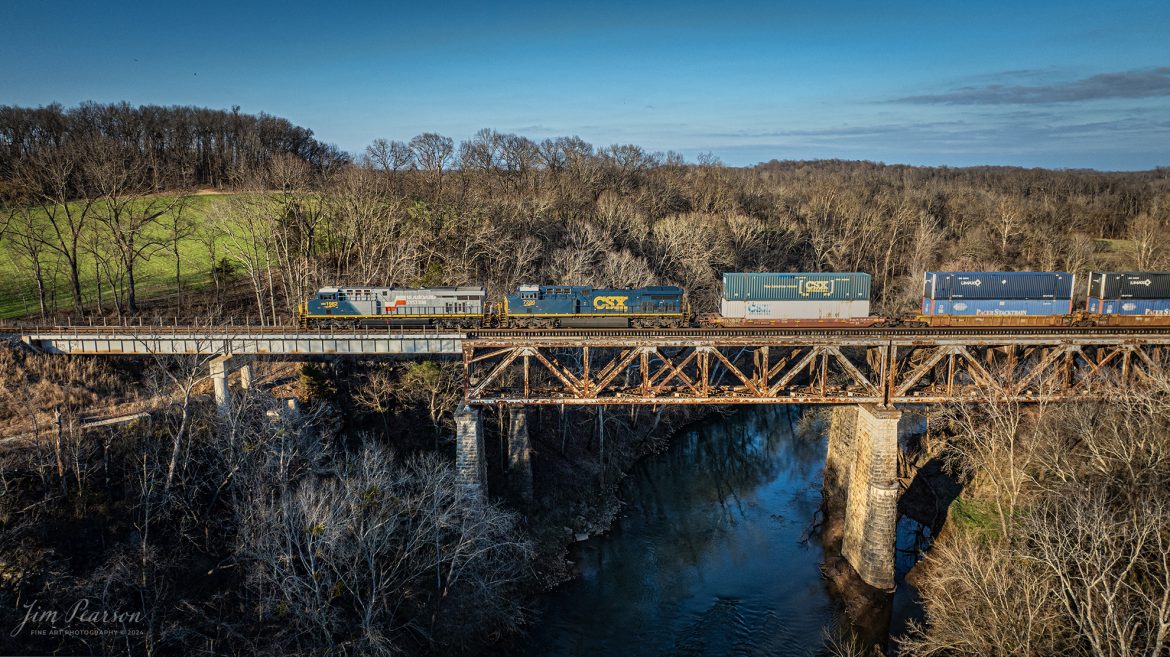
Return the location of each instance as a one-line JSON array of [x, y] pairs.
[[711, 557]]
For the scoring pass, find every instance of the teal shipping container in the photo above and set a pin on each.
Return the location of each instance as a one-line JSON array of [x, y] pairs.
[[796, 286]]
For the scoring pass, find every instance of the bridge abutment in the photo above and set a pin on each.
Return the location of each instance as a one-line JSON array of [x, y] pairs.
[[862, 465], [470, 468], [519, 452]]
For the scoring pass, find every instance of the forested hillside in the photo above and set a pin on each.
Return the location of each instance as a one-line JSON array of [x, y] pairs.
[[98, 204]]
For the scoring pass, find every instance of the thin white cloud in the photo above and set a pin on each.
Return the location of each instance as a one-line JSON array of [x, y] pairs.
[[1138, 83]]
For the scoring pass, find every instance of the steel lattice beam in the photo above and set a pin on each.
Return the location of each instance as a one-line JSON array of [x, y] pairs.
[[807, 370]]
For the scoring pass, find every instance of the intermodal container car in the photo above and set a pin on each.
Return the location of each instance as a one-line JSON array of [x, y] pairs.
[[796, 286], [1020, 285], [579, 305], [1112, 285]]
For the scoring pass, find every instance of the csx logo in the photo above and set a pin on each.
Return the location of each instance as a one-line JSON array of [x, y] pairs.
[[610, 303], [818, 287]]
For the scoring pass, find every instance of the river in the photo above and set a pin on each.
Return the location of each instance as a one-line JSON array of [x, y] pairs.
[[712, 556]]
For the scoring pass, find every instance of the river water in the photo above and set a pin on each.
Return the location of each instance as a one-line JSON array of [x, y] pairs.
[[713, 555]]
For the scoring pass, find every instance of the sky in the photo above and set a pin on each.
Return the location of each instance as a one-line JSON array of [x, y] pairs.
[[1066, 84]]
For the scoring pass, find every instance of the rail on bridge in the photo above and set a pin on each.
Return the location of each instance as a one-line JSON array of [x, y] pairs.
[[253, 341]]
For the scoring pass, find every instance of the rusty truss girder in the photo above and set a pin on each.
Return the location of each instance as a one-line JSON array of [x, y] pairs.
[[806, 370]]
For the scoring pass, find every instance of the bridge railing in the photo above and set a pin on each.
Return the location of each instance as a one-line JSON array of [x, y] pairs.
[[230, 327]]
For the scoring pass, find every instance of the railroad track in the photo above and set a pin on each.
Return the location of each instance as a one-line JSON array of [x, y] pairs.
[[585, 333], [812, 331]]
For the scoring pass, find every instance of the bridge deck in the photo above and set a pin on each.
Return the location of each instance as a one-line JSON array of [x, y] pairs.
[[696, 365]]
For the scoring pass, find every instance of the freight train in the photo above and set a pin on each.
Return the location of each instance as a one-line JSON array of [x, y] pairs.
[[798, 300], [548, 306]]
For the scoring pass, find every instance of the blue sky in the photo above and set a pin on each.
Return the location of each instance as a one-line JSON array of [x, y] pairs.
[[1057, 84]]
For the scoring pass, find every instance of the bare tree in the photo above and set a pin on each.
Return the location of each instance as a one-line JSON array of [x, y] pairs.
[[993, 446], [389, 156], [1008, 223], [437, 385], [433, 153], [246, 227], [25, 239], [986, 598], [181, 228], [128, 208], [380, 554], [1148, 234], [1109, 563], [54, 179]]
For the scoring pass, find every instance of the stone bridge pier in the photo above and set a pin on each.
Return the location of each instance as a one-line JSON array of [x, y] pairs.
[[519, 453], [470, 465], [470, 458], [862, 468]]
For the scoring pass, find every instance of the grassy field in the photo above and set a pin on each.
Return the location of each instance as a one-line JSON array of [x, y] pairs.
[[155, 276]]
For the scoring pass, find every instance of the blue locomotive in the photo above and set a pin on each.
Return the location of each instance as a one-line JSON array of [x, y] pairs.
[[466, 307], [584, 306]]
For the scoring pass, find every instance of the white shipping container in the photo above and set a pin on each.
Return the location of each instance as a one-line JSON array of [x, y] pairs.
[[795, 309]]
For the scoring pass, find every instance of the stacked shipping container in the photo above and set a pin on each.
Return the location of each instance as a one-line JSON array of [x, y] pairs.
[[1129, 293], [795, 296], [997, 293]]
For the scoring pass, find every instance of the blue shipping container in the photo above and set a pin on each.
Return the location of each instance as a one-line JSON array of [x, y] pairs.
[[1129, 306], [998, 285], [796, 286], [1129, 285], [996, 307]]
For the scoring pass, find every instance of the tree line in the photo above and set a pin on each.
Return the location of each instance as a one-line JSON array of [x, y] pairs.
[[499, 209], [177, 146]]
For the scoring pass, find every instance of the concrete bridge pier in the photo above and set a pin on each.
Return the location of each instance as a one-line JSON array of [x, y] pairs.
[[519, 452], [222, 368], [862, 463], [245, 376], [470, 467]]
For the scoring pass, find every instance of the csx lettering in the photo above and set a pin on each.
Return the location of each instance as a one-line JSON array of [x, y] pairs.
[[610, 303], [818, 287]]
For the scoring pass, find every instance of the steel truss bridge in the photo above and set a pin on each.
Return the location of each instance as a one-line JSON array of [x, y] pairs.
[[694, 366], [828, 366]]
